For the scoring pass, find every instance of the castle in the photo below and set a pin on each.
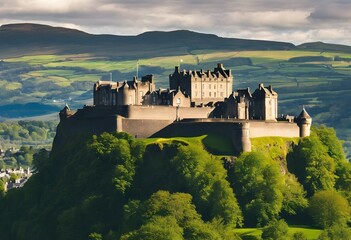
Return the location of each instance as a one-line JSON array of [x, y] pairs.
[[197, 103]]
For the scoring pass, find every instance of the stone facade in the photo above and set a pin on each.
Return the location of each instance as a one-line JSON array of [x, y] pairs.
[[203, 87], [264, 105], [261, 105], [123, 93], [137, 92], [167, 97]]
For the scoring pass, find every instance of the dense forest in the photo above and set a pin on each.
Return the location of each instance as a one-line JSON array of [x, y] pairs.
[[113, 186]]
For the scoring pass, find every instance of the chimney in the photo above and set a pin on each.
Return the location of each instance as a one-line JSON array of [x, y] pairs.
[[270, 88], [220, 65]]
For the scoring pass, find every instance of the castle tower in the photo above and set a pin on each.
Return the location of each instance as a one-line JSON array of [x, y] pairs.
[[203, 87], [245, 137], [264, 104], [304, 121]]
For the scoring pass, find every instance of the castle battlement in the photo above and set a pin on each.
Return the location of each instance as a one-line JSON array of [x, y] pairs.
[[137, 108]]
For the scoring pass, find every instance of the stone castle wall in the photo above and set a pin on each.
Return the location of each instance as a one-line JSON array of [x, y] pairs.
[[143, 128], [166, 112], [159, 121], [273, 129]]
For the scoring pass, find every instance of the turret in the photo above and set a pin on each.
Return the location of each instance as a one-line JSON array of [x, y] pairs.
[[245, 137], [304, 121], [65, 113]]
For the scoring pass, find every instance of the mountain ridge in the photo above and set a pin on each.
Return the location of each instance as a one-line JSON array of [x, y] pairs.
[[28, 39]]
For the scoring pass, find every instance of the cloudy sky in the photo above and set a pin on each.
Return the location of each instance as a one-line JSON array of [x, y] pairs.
[[294, 21]]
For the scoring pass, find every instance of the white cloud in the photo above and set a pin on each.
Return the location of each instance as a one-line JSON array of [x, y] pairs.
[[294, 21], [278, 19]]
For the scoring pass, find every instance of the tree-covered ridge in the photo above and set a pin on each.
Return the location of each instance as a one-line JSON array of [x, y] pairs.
[[19, 140], [27, 131], [113, 186]]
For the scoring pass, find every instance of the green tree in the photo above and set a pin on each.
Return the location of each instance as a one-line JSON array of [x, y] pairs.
[[294, 200], [312, 165], [336, 232], [41, 159], [176, 209], [13, 177], [299, 236], [95, 236], [2, 187], [157, 228], [205, 177], [330, 140], [122, 150], [259, 185], [275, 230], [328, 208], [343, 182]]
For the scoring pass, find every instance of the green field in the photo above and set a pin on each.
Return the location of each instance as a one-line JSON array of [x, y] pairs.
[[310, 233]]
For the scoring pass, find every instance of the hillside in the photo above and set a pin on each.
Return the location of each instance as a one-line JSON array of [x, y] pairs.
[[29, 39], [35, 39], [113, 186]]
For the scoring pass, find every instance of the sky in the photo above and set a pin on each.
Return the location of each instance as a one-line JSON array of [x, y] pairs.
[[295, 21]]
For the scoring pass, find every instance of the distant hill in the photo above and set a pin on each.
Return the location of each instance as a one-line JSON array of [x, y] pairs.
[[24, 39], [26, 110], [320, 46]]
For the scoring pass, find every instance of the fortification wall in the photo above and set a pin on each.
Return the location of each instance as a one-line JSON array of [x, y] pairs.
[[143, 128], [166, 112], [273, 129], [148, 121], [75, 126]]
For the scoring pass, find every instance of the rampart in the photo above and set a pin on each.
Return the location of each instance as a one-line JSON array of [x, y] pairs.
[[166, 112], [162, 121]]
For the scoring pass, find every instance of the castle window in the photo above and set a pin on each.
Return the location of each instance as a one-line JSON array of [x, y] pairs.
[[209, 94], [214, 86], [220, 85], [214, 94], [209, 86], [222, 94], [195, 86]]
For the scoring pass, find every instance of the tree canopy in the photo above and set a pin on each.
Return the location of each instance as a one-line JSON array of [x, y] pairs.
[[114, 186]]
